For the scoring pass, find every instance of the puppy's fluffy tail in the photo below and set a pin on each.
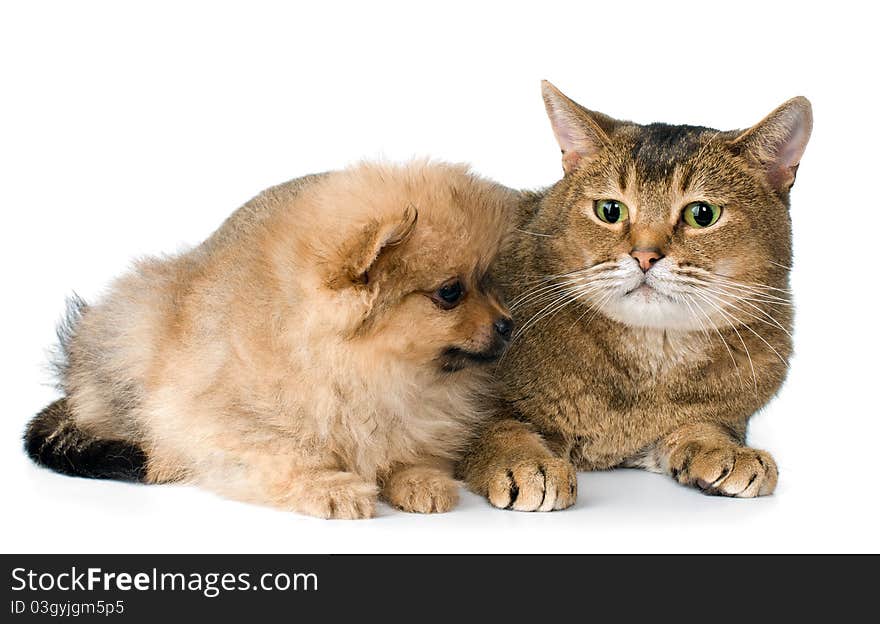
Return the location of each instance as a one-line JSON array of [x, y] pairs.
[[54, 440]]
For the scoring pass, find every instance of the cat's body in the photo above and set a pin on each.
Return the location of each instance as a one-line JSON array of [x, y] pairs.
[[610, 390], [645, 341], [300, 357]]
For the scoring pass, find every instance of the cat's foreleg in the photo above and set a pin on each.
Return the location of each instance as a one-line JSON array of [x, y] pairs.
[[711, 458], [512, 466]]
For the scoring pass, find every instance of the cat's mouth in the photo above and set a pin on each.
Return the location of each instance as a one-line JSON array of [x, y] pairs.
[[646, 290], [650, 299], [647, 293], [642, 288]]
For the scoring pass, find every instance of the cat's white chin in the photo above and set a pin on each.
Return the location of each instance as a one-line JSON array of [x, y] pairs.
[[647, 307], [653, 299], [648, 300]]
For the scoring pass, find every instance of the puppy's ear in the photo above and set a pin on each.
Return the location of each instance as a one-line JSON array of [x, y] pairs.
[[581, 133], [359, 254], [778, 141]]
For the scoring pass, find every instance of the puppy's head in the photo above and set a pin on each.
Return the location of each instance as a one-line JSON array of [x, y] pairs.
[[414, 262]]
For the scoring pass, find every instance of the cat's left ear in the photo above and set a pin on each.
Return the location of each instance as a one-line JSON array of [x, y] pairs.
[[779, 140]]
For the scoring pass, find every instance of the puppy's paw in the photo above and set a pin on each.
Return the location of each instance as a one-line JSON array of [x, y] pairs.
[[421, 490], [540, 484], [340, 495], [725, 470]]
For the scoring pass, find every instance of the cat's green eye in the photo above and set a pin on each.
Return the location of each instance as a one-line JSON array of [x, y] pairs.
[[701, 214], [611, 211]]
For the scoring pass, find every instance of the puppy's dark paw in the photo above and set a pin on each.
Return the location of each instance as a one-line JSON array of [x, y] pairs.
[[540, 484]]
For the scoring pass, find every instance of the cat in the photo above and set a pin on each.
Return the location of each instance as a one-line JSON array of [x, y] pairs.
[[325, 347], [651, 290]]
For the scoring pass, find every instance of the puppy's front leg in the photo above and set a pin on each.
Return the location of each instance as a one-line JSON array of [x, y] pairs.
[[421, 488], [290, 483], [332, 494]]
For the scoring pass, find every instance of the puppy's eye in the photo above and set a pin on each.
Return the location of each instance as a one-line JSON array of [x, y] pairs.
[[611, 211], [448, 295]]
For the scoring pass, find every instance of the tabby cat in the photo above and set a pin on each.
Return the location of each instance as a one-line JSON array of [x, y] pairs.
[[650, 289]]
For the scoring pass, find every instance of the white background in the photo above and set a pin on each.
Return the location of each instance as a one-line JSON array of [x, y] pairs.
[[130, 129]]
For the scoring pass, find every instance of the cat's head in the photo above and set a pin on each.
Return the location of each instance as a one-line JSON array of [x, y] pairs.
[[673, 227]]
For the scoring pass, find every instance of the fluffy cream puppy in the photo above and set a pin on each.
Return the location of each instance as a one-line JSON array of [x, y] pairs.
[[326, 345]]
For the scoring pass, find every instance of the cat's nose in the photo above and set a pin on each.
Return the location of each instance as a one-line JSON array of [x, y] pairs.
[[646, 257]]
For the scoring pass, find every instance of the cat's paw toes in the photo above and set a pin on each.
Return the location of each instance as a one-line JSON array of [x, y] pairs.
[[541, 484], [341, 495], [423, 491], [727, 470]]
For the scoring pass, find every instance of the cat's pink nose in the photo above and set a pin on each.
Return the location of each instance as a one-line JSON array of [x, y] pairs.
[[646, 257]]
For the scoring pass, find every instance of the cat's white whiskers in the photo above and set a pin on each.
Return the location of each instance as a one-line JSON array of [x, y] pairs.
[[595, 305], [598, 306], [760, 337], [727, 295], [685, 300], [752, 294], [756, 286], [569, 296], [544, 292], [780, 265], [561, 299], [587, 309], [723, 341], [540, 293], [568, 276], [720, 295], [533, 233], [703, 274], [547, 278], [732, 299], [693, 279], [728, 292], [575, 295], [727, 318]]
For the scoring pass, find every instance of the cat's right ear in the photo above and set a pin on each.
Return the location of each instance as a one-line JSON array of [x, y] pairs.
[[581, 133]]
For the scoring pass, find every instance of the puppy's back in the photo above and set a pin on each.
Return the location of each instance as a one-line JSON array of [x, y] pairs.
[[254, 213]]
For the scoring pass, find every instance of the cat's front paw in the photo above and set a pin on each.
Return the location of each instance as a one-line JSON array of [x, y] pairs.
[[540, 484], [421, 490], [725, 470]]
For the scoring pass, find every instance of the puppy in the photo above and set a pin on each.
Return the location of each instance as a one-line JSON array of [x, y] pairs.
[[328, 344]]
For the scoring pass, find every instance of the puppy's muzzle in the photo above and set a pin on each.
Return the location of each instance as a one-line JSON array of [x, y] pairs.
[[455, 358]]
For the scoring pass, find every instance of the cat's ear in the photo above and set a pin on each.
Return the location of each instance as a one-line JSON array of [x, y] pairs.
[[581, 133], [779, 140], [360, 253]]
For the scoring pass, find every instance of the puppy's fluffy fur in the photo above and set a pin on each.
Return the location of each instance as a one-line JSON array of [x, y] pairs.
[[304, 355]]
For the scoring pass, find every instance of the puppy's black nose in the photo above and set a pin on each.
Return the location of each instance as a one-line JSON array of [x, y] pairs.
[[504, 327]]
